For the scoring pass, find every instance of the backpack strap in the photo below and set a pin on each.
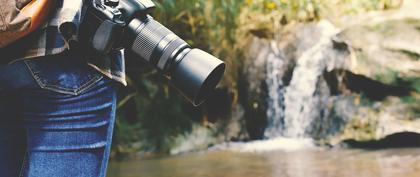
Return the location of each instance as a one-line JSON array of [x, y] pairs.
[[37, 11]]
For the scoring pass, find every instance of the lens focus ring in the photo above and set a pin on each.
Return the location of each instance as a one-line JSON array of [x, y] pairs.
[[148, 38]]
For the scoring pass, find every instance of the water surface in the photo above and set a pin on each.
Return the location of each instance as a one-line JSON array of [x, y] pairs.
[[404, 162]]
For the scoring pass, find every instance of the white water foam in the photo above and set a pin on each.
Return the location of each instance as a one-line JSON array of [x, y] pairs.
[[275, 144]]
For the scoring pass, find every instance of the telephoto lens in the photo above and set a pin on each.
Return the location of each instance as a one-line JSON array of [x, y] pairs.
[[193, 72]]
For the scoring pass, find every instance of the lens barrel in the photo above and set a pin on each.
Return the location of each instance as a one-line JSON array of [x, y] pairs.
[[193, 72], [154, 42]]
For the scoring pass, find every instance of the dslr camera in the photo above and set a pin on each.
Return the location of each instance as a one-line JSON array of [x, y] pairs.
[[111, 25]]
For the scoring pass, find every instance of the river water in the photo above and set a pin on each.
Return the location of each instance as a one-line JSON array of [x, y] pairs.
[[402, 162]]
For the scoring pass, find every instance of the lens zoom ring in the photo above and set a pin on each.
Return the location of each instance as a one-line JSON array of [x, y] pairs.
[[148, 38]]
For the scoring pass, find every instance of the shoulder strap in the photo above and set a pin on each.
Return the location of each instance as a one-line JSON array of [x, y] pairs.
[[35, 13], [38, 11]]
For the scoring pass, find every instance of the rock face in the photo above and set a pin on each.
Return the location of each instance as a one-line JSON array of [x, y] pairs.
[[316, 80], [384, 78], [253, 89]]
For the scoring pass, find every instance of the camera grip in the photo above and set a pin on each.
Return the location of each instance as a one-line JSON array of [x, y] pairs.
[[106, 36]]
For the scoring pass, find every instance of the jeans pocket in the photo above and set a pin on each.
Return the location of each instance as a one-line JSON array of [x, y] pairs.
[[63, 73]]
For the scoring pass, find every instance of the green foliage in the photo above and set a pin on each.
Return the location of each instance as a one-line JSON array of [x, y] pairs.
[[154, 114], [202, 23], [162, 118], [416, 84], [126, 134]]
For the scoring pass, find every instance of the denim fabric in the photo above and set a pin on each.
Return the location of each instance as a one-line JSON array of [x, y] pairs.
[[56, 118]]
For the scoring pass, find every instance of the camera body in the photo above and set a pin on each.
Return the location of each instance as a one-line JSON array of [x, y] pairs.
[[105, 23], [111, 25]]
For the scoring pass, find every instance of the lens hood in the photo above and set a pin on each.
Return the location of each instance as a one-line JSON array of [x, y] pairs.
[[196, 74]]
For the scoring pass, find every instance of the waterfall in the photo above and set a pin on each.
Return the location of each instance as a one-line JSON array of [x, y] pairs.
[[296, 93], [275, 86], [292, 109], [300, 99]]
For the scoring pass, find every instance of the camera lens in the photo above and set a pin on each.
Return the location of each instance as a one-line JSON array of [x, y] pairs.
[[155, 43], [192, 71]]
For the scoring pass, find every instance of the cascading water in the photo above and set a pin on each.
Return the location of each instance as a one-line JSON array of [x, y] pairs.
[[296, 104], [275, 109], [292, 109]]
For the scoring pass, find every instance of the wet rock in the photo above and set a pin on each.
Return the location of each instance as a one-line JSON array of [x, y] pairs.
[[401, 139], [252, 88]]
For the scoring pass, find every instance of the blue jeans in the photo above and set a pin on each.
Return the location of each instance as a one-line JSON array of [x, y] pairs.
[[56, 118]]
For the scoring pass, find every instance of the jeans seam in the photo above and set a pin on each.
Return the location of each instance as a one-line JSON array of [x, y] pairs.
[[107, 148], [23, 164], [77, 91], [59, 89]]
